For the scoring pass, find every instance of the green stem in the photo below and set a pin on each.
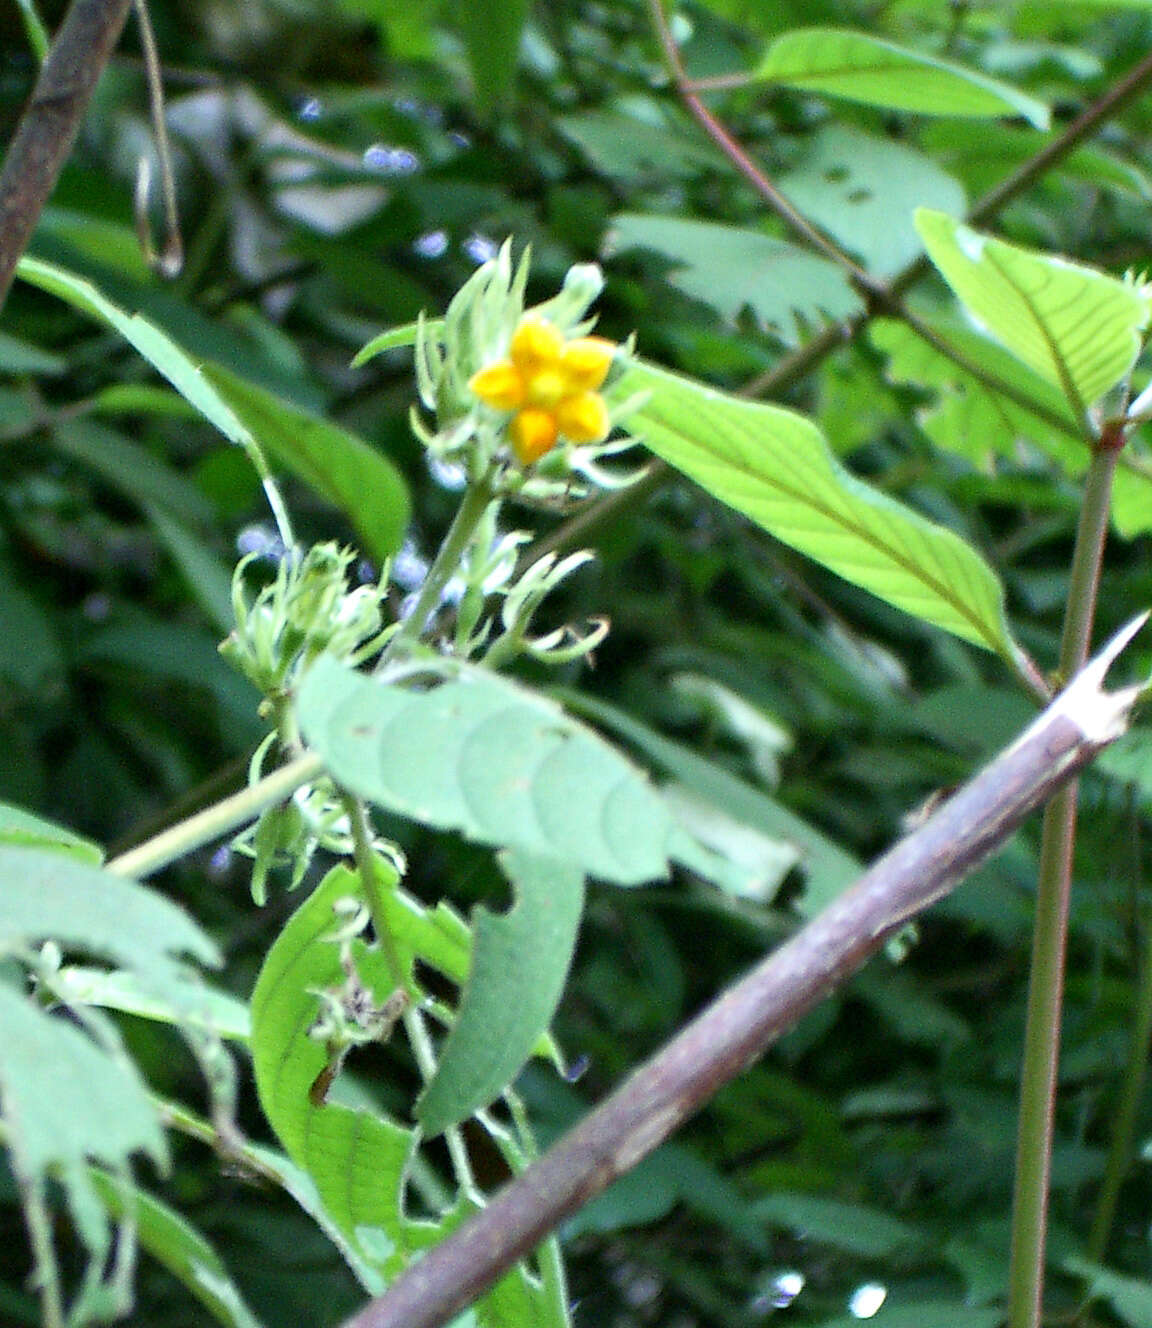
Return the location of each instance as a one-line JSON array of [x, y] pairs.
[[34, 29], [216, 821], [447, 561], [365, 856], [1131, 1096], [414, 1025], [549, 1258], [1046, 988]]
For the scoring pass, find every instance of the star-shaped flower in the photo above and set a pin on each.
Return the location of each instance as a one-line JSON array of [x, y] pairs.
[[550, 386]]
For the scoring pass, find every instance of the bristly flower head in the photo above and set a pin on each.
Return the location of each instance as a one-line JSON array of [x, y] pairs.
[[507, 385], [550, 386]]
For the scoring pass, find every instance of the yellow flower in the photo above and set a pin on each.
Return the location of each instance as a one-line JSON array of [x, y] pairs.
[[550, 386]]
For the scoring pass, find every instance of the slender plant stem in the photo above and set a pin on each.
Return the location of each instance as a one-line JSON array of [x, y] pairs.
[[1046, 986], [1131, 1095], [413, 1018], [217, 821], [46, 1272], [468, 516], [34, 29], [169, 260]]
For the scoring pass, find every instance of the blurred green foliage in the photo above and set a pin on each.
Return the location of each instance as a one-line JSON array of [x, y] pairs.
[[343, 165]]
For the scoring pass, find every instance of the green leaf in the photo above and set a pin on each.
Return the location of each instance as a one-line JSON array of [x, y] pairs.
[[731, 269], [65, 1098], [21, 357], [879, 73], [177, 1245], [48, 896], [356, 1160], [395, 338], [732, 854], [519, 968], [359, 1160], [31, 656], [343, 468], [208, 576], [68, 1101], [132, 469], [973, 419], [852, 1227], [498, 763], [143, 399], [775, 467], [863, 190], [492, 39], [983, 154], [22, 828], [637, 143], [1077, 328], [828, 868], [202, 1007], [155, 345], [1129, 1297], [968, 416]]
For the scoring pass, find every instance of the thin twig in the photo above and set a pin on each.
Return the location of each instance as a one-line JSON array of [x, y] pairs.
[[737, 1028], [218, 820]]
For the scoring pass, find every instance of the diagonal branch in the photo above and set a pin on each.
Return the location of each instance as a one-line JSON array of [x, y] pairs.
[[737, 1028], [48, 128]]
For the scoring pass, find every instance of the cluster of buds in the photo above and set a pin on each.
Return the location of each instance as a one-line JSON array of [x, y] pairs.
[[308, 609]]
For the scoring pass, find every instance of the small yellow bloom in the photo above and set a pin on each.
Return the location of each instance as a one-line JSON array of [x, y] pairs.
[[551, 386]]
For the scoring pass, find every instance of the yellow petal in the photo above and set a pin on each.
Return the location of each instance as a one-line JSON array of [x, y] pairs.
[[533, 432], [586, 362], [534, 343], [499, 386], [583, 418]]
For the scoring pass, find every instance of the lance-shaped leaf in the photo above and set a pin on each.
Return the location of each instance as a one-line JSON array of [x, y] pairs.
[[495, 761], [22, 828], [1076, 327], [775, 467], [176, 1244], [359, 1160], [519, 967], [879, 73], [337, 464], [356, 1160], [343, 468]]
